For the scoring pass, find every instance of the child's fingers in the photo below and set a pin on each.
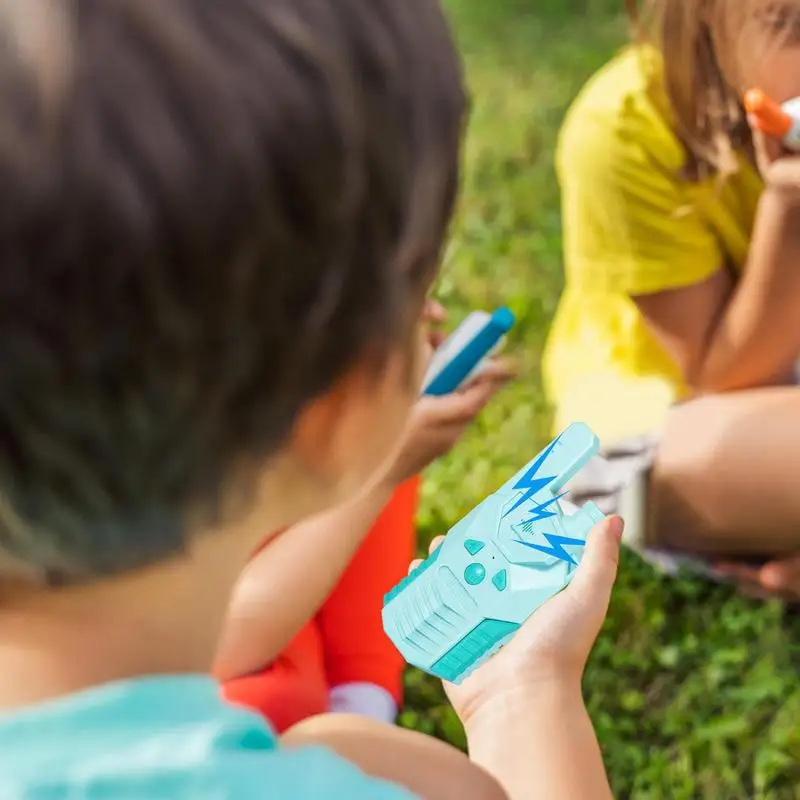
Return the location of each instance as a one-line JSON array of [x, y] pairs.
[[446, 437], [435, 542], [426, 357], [784, 175], [595, 577], [496, 370], [434, 312], [737, 572], [468, 404], [781, 575], [460, 408], [436, 337], [456, 408], [766, 151], [776, 579]]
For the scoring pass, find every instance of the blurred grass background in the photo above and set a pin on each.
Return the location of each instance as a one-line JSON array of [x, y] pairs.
[[694, 691]]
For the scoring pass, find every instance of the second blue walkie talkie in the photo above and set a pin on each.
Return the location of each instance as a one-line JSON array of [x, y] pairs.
[[464, 352]]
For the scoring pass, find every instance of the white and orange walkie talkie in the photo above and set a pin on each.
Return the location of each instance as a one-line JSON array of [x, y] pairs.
[[778, 121]]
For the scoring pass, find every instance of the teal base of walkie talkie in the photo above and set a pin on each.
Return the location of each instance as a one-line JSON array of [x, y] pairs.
[[495, 567]]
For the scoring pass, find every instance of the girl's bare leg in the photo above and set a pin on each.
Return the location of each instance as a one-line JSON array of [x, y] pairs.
[[727, 477]]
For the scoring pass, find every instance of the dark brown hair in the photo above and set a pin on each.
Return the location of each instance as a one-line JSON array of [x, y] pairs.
[[208, 211]]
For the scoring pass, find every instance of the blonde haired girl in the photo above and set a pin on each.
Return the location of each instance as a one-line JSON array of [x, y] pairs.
[[679, 328]]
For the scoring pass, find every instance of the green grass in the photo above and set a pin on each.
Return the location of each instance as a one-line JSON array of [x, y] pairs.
[[694, 691]]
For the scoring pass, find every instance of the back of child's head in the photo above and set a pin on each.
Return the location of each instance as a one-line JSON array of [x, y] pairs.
[[704, 44], [209, 210]]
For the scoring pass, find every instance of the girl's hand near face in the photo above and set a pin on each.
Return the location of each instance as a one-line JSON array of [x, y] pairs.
[[779, 167], [767, 151]]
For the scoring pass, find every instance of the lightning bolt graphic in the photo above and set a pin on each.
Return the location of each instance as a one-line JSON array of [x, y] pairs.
[[530, 481], [540, 511], [556, 547]]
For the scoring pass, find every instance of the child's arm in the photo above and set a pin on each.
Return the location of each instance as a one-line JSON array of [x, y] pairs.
[[287, 582], [733, 337], [526, 723], [284, 585], [543, 739], [632, 226], [428, 768]]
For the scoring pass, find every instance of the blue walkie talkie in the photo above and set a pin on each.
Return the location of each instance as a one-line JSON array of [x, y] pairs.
[[463, 353], [495, 567]]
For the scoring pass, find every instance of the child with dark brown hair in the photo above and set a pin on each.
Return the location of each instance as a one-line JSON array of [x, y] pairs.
[[218, 227]]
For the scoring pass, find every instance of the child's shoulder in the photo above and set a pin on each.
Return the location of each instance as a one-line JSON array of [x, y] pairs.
[[623, 109], [165, 737], [632, 80]]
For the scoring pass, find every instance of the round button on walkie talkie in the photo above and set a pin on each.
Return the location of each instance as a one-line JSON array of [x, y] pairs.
[[474, 574]]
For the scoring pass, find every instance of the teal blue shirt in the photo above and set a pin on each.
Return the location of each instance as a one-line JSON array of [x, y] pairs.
[[159, 738]]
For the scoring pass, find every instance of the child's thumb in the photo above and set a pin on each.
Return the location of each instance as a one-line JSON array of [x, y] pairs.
[[597, 572]]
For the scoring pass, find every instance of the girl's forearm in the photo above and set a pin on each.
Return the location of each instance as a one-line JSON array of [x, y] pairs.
[[291, 578], [540, 743], [757, 340]]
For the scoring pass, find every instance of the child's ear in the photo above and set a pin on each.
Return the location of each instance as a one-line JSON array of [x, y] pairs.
[[344, 436], [317, 430]]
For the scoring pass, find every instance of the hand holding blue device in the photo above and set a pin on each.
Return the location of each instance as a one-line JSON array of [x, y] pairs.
[[495, 567], [464, 352]]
